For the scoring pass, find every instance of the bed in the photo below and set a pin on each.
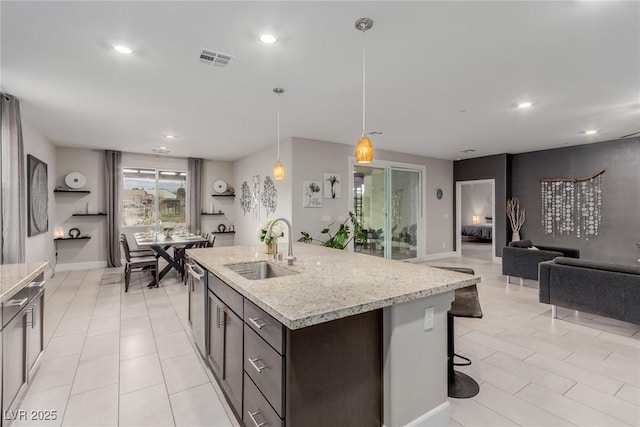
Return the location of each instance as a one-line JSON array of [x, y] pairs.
[[479, 231]]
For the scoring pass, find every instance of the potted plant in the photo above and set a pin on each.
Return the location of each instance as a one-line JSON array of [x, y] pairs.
[[342, 236], [272, 242], [168, 231]]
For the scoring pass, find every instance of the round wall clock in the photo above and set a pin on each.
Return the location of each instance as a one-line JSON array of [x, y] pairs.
[[439, 193], [75, 180], [220, 186]]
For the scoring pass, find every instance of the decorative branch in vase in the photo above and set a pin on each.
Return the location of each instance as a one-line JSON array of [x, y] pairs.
[[516, 217]]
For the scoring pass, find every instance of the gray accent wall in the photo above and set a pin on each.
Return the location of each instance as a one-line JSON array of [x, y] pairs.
[[496, 167], [620, 228]]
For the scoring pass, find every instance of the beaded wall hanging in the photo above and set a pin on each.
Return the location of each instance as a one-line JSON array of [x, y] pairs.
[[572, 205]]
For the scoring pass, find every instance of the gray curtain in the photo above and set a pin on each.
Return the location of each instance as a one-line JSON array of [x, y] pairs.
[[113, 189], [194, 200], [14, 195]]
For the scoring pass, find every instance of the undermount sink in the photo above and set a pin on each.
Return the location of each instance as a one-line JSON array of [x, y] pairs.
[[260, 270]]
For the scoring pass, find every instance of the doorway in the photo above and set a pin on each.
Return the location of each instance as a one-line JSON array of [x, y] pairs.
[[475, 225], [387, 200]]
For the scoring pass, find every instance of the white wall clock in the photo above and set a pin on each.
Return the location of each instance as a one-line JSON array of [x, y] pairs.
[[219, 186]]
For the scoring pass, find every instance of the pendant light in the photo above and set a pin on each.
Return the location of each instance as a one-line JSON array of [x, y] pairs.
[[364, 148], [278, 167]]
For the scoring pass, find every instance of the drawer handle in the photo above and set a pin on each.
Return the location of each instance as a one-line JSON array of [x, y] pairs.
[[18, 302], [256, 323], [256, 367], [252, 415], [36, 284], [222, 313]]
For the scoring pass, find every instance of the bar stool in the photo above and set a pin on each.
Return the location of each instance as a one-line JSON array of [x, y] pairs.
[[465, 304]]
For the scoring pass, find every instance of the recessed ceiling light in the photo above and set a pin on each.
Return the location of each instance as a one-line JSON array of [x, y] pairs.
[[268, 38], [123, 49], [169, 136], [524, 105], [590, 132], [162, 148]]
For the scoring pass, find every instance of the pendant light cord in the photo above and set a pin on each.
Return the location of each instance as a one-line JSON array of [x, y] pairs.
[[278, 127], [363, 82]]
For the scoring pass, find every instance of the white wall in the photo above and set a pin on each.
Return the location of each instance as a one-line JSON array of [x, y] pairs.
[[91, 164], [41, 247], [261, 163], [312, 158], [211, 172], [475, 200]]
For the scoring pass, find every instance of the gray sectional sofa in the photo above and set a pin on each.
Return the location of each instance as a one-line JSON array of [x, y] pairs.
[[605, 289], [520, 259]]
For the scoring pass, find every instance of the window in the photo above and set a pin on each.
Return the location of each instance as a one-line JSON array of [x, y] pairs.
[[148, 194]]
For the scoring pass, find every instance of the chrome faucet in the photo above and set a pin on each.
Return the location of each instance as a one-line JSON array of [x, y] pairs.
[[290, 257]]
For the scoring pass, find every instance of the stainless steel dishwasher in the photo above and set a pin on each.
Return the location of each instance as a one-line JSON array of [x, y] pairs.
[[197, 287]]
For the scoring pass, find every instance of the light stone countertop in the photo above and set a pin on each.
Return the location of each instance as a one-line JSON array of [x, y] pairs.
[[331, 284], [14, 277]]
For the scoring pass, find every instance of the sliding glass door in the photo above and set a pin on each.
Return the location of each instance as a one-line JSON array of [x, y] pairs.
[[388, 204]]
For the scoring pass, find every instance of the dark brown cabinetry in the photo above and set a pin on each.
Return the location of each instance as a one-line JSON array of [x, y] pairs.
[[325, 374], [225, 342]]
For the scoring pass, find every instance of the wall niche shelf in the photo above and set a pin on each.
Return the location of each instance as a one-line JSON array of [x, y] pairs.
[[223, 195], [90, 214], [215, 213], [72, 238]]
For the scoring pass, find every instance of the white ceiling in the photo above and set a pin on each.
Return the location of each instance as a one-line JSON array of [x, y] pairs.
[[441, 76]]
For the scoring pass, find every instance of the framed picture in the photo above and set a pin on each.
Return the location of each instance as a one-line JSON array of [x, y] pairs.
[[311, 197], [331, 183], [37, 196]]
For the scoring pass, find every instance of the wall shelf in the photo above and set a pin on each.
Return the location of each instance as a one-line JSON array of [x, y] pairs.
[[215, 213], [72, 238], [223, 195], [224, 232], [71, 191], [89, 214]]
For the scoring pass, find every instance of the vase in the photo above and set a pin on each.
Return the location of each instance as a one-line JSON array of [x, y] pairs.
[[271, 248], [515, 236]]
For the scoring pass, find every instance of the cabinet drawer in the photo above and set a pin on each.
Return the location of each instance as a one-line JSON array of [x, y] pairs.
[[265, 367], [264, 325], [257, 412], [226, 294]]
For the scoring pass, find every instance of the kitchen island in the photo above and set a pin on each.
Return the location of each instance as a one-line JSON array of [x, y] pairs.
[[362, 342]]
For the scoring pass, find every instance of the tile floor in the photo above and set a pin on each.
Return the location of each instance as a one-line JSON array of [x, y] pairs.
[[128, 359]]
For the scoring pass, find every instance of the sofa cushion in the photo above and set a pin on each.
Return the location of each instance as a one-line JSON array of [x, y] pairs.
[[598, 265], [521, 244]]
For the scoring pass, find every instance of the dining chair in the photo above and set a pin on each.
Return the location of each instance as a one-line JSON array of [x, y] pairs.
[[137, 262], [136, 253]]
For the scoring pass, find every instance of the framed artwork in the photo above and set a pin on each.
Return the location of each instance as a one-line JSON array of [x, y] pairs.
[[331, 183], [37, 196], [311, 197]]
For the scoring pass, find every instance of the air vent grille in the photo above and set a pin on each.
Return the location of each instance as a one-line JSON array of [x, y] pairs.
[[160, 150], [215, 59]]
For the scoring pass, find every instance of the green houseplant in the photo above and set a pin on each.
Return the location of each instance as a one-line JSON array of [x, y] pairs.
[[342, 236]]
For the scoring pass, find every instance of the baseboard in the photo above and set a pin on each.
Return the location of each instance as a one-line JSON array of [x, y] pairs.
[[81, 265], [437, 417], [430, 257]]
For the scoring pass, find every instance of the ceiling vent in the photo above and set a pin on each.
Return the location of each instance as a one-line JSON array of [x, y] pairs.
[[161, 150], [215, 59], [468, 150]]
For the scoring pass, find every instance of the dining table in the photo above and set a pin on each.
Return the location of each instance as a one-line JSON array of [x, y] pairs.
[[159, 243]]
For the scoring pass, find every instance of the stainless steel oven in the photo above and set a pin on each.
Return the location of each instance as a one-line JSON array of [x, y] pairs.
[[197, 286]]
